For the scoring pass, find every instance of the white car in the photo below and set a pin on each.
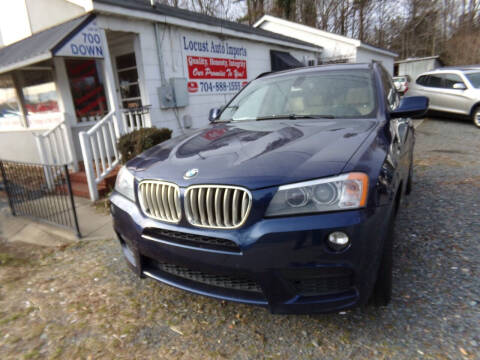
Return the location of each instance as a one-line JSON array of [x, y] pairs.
[[453, 90]]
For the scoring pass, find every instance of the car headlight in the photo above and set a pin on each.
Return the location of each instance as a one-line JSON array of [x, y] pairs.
[[124, 183], [348, 191]]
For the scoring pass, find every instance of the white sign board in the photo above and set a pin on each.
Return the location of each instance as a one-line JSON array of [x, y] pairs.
[[214, 66], [85, 43]]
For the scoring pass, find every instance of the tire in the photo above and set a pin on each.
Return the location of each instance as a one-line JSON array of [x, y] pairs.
[[382, 291], [476, 116]]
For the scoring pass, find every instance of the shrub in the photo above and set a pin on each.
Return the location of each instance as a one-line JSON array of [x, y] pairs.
[[136, 142]]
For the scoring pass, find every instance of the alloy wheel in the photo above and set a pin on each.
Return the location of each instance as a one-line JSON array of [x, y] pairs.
[[476, 118]]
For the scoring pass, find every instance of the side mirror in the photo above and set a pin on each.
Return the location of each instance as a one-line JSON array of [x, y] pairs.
[[459, 86], [213, 114], [414, 107]]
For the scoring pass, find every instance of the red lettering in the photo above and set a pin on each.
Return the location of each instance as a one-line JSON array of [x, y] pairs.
[[216, 68]]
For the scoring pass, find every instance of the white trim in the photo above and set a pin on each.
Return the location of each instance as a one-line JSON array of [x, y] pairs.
[[85, 4], [104, 9], [326, 34]]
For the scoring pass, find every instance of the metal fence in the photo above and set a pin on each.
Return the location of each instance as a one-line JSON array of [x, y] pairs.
[[43, 192]]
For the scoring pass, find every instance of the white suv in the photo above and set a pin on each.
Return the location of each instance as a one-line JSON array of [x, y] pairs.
[[453, 90]]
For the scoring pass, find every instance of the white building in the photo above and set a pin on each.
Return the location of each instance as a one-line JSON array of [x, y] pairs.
[[336, 48], [413, 67], [94, 69]]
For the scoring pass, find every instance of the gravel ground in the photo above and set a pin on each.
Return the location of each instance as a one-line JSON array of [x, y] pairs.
[[81, 302]]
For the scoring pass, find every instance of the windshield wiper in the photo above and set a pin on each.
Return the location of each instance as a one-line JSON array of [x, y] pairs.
[[294, 116]]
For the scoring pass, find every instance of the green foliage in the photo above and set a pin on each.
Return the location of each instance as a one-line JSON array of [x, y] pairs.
[[136, 142]]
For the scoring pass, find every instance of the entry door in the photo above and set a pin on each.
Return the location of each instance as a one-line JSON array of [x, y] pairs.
[[127, 76]]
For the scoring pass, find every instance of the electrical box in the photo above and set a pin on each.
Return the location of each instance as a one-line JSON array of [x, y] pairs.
[[174, 94], [180, 92], [167, 100]]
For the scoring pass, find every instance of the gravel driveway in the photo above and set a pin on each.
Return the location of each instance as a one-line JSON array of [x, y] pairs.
[[82, 301]]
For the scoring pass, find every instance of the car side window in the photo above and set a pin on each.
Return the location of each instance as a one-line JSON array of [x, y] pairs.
[[450, 79], [390, 91], [434, 81], [422, 80]]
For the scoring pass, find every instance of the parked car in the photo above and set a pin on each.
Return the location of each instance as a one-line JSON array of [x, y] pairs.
[[451, 90], [286, 200], [401, 83]]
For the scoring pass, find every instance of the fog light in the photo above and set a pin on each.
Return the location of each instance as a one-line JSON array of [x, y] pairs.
[[338, 240]]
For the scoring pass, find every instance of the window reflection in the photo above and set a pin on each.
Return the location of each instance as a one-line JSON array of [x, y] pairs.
[[8, 99], [39, 91]]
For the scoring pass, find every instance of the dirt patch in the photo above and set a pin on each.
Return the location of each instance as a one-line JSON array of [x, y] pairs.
[[472, 181], [445, 151], [426, 162]]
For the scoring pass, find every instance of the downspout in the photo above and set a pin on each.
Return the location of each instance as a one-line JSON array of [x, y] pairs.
[[161, 66], [158, 40]]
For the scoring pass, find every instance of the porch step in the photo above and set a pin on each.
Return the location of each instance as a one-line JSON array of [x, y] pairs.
[[80, 183]]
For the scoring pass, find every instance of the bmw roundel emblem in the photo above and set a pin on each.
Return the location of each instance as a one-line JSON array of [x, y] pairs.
[[190, 174]]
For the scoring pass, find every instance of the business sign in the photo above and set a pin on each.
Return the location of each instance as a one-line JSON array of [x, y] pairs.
[[214, 66], [87, 43]]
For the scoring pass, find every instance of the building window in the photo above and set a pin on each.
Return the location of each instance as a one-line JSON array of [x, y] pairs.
[[88, 91], [39, 91], [128, 80], [9, 108]]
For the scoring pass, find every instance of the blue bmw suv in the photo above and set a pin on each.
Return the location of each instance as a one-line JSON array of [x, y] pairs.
[[287, 199]]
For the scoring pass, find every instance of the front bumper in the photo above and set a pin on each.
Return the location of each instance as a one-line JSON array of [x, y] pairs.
[[281, 263]]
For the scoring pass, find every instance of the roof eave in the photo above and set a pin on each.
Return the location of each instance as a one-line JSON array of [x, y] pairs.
[[139, 14], [377, 50], [354, 42], [315, 31], [27, 62]]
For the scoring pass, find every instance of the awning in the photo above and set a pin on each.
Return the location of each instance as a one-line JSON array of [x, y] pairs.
[[40, 46], [282, 60]]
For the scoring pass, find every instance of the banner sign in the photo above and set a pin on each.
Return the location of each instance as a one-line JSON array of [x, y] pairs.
[[85, 43], [214, 66]]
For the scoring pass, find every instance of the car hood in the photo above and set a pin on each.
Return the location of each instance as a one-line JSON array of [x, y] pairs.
[[255, 154]]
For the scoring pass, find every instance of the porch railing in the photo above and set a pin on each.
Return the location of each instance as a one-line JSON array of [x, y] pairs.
[[55, 146], [99, 144], [99, 150], [134, 119]]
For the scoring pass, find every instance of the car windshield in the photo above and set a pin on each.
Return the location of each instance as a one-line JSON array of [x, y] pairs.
[[324, 94], [399, 80], [474, 78]]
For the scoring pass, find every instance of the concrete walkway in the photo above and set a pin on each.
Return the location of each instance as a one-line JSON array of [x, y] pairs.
[[94, 224]]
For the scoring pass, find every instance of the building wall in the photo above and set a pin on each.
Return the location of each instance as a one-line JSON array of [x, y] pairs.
[[14, 23], [415, 68], [258, 61], [332, 49], [18, 146], [366, 56], [21, 18], [63, 11]]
